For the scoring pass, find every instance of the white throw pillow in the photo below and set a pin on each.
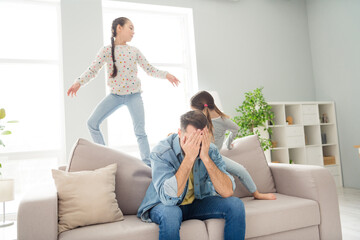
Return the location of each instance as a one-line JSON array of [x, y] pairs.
[[86, 197]]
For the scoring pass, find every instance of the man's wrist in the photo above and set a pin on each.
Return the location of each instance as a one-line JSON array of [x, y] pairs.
[[206, 158], [189, 161]]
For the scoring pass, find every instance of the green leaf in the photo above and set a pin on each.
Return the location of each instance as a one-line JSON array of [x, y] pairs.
[[13, 121], [1, 144], [6, 132], [2, 113]]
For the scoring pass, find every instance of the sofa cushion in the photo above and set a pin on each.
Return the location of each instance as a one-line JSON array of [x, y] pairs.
[[133, 228], [248, 152], [263, 217], [132, 176], [86, 197]]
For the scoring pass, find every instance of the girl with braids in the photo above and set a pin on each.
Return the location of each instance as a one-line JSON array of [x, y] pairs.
[[219, 123], [122, 61]]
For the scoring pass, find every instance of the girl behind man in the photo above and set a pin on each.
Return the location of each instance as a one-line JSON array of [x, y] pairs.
[[219, 124]]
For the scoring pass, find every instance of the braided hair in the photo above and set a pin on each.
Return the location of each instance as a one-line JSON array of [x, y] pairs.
[[118, 21]]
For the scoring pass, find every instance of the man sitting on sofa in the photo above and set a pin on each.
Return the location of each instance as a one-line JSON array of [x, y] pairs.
[[189, 181]]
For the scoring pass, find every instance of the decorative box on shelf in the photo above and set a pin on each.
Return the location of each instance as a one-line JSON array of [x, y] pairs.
[[329, 160]]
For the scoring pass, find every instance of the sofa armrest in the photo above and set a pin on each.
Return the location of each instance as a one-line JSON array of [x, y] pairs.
[[38, 214], [311, 182]]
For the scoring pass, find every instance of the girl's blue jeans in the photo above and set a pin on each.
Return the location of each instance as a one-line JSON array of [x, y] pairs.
[[237, 170], [231, 209], [109, 105]]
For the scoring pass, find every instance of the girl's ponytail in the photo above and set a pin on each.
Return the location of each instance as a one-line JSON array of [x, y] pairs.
[[218, 111], [207, 114], [114, 73]]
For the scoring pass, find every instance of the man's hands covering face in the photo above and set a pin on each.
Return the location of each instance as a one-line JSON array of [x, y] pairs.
[[197, 142]]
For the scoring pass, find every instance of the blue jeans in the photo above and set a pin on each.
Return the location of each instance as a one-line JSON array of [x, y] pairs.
[[231, 209], [109, 105], [239, 171]]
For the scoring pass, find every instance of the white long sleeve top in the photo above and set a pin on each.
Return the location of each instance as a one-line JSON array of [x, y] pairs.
[[127, 58]]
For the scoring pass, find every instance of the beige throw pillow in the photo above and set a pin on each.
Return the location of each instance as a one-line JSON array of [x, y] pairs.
[[132, 177], [86, 197]]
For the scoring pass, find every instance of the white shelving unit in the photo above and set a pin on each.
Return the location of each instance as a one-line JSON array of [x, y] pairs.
[[309, 138]]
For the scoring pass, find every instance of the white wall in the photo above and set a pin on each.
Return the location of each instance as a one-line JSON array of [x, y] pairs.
[[239, 45], [82, 37], [251, 43], [334, 28]]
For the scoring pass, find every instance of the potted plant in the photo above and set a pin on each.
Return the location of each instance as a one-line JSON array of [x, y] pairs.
[[255, 112], [3, 130]]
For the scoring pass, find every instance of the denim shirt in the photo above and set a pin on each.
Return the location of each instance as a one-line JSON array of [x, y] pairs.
[[165, 159]]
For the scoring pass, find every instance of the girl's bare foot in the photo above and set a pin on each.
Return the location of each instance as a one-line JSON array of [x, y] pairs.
[[264, 196]]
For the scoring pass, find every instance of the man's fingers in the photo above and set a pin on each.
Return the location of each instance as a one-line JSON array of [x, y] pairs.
[[195, 138], [183, 141], [199, 138], [190, 138]]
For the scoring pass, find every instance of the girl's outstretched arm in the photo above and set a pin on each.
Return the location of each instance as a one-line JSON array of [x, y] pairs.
[[91, 72], [153, 71]]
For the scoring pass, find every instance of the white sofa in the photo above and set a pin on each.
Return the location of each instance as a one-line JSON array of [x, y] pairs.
[[306, 207]]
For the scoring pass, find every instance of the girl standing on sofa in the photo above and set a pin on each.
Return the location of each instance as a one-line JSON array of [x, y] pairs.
[[219, 124], [125, 86]]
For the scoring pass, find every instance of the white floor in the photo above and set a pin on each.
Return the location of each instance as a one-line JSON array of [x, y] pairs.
[[349, 200]]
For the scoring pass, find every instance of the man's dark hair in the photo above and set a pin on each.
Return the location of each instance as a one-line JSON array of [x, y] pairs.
[[195, 118]]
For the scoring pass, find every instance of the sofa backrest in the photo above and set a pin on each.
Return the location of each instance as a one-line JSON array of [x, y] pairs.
[[132, 177], [248, 152]]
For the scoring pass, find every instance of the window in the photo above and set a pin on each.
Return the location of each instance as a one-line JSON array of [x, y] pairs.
[[30, 75], [30, 91], [165, 35]]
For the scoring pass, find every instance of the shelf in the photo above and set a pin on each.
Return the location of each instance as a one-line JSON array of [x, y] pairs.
[[327, 109], [332, 165], [294, 125], [297, 155], [328, 134], [315, 145], [278, 148], [293, 111], [314, 156], [309, 139], [329, 144], [278, 135], [310, 114], [279, 114], [312, 135], [276, 126], [281, 156]]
